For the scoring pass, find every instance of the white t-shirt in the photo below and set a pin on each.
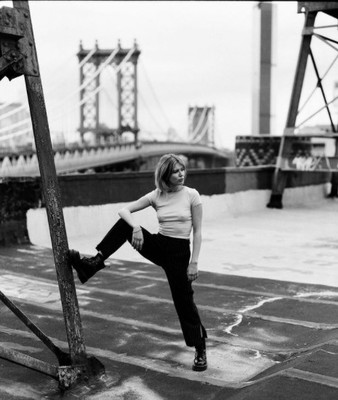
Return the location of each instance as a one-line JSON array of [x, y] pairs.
[[174, 210]]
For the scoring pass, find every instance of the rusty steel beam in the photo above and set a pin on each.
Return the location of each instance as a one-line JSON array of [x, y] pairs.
[[62, 357], [300, 70], [29, 362], [52, 196], [65, 375], [279, 177]]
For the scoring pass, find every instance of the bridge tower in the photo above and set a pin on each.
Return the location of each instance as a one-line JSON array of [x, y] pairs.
[[125, 62], [201, 125]]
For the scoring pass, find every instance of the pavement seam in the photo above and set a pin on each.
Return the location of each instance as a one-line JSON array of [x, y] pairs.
[[250, 314], [176, 332], [311, 377], [146, 363], [297, 297], [161, 367]]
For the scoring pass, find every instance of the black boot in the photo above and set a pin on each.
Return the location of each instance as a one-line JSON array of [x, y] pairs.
[[200, 360], [85, 267]]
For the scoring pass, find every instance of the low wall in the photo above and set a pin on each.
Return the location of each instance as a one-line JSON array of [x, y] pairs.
[[106, 188], [230, 190], [16, 197], [94, 221]]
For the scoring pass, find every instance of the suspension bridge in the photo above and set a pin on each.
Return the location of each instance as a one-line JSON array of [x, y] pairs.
[[97, 146]]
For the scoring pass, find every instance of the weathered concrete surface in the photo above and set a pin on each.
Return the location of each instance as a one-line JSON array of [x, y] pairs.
[[268, 338], [261, 333]]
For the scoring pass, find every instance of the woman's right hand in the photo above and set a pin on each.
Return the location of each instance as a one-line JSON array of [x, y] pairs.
[[137, 238]]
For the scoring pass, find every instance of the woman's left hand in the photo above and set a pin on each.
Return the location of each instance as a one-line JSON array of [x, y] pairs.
[[192, 271]]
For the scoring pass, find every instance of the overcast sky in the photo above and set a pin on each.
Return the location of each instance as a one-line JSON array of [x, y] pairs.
[[192, 53]]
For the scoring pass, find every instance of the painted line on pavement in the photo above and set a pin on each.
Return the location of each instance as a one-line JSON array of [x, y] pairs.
[[176, 332], [222, 310], [153, 299], [301, 297]]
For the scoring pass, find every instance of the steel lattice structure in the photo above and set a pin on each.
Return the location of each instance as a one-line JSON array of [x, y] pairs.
[[310, 9]]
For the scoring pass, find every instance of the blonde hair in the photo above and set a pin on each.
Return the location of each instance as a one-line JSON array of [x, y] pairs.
[[165, 168]]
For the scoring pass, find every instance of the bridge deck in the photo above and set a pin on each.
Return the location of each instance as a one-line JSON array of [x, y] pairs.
[[74, 159]]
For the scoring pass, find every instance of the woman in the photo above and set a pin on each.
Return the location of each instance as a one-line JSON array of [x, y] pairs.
[[179, 211]]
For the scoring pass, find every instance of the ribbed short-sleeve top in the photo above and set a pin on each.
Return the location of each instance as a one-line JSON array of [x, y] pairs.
[[174, 210]]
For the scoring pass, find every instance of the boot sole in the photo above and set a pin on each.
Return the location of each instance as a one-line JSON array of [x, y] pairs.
[[75, 260], [199, 368]]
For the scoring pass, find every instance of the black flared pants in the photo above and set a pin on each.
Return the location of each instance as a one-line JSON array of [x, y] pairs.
[[173, 256]]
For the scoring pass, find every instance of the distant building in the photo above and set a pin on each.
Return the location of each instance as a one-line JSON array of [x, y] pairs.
[[324, 146], [15, 127]]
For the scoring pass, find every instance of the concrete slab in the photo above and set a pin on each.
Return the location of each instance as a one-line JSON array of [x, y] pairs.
[[267, 292]]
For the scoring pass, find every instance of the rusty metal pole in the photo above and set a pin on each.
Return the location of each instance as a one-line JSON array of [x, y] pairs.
[[279, 178], [52, 197]]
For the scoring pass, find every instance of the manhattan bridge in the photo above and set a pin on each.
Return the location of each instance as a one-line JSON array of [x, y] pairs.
[[99, 147]]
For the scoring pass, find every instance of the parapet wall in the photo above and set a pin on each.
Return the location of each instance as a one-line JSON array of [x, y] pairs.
[[234, 190]]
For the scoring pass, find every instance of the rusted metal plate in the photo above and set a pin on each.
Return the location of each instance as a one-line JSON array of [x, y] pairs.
[[10, 23], [329, 7], [14, 36]]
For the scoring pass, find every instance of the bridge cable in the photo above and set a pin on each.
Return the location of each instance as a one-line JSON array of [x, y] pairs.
[[154, 94]]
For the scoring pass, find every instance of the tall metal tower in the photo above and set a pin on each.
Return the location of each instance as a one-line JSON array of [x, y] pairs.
[[264, 62], [126, 89], [311, 9]]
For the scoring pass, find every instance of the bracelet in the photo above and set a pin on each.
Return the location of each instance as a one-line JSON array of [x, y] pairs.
[[193, 262], [135, 231]]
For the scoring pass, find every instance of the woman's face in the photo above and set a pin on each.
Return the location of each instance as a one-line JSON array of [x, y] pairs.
[[177, 176]]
